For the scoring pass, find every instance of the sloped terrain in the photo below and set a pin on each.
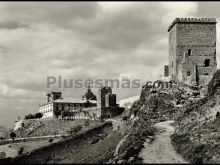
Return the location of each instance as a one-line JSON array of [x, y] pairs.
[[197, 135], [51, 127], [154, 105]]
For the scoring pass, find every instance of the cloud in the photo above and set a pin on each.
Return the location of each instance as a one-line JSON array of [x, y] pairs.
[[11, 25], [86, 40]]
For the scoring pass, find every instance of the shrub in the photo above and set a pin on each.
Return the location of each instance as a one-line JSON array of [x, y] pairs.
[[29, 116], [86, 123], [57, 112], [76, 129], [35, 116], [13, 135], [218, 115], [2, 154], [20, 151], [38, 115]]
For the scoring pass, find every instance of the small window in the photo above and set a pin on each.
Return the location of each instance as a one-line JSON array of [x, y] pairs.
[[189, 52], [172, 63], [207, 62], [206, 74], [188, 73]]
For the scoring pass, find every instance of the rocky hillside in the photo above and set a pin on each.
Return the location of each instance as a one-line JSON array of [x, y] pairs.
[[154, 105], [197, 135]]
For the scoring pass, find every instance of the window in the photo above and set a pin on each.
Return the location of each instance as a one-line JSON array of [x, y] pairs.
[[189, 52], [188, 73], [207, 61], [172, 64], [206, 74]]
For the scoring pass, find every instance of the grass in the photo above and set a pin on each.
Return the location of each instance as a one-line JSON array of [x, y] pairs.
[[54, 127], [12, 149], [99, 152]]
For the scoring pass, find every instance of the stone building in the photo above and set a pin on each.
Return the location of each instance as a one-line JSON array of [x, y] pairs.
[[101, 96], [55, 102], [192, 50], [87, 107], [107, 103]]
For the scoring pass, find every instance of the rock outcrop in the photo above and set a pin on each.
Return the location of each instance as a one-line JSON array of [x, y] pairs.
[[197, 135]]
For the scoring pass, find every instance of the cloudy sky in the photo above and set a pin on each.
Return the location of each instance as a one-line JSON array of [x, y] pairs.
[[83, 40]]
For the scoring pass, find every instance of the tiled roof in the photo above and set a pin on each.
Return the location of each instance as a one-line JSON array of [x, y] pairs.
[[70, 100]]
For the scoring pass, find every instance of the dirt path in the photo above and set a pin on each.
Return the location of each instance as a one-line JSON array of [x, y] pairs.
[[161, 149]]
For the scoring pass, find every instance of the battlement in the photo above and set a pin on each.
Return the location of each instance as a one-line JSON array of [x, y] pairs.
[[192, 20]]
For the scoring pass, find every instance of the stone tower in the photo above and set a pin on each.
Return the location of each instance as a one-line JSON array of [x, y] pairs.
[[192, 50]]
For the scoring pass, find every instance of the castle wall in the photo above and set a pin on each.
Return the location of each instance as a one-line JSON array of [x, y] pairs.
[[172, 53], [199, 37], [101, 96]]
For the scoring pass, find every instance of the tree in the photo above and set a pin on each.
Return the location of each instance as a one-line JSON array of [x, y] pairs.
[[38, 115], [29, 116], [57, 112], [13, 135]]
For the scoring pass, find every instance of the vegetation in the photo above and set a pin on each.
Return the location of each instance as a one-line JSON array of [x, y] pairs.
[[20, 151], [86, 123], [76, 129], [35, 116], [57, 112], [13, 135]]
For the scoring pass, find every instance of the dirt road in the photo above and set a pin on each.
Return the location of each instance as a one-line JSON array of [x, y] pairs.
[[161, 149]]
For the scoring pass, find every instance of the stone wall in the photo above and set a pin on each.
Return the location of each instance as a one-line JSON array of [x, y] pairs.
[[198, 36]]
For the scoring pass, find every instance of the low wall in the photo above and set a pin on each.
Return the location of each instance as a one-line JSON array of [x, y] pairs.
[[63, 149]]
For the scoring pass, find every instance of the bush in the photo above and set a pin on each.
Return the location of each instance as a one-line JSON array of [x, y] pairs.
[[50, 140], [29, 116], [57, 112], [2, 154], [38, 115], [76, 129], [20, 151], [35, 116], [218, 115], [13, 135], [86, 123]]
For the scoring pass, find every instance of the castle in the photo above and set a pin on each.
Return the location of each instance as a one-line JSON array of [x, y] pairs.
[[104, 106], [192, 50]]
